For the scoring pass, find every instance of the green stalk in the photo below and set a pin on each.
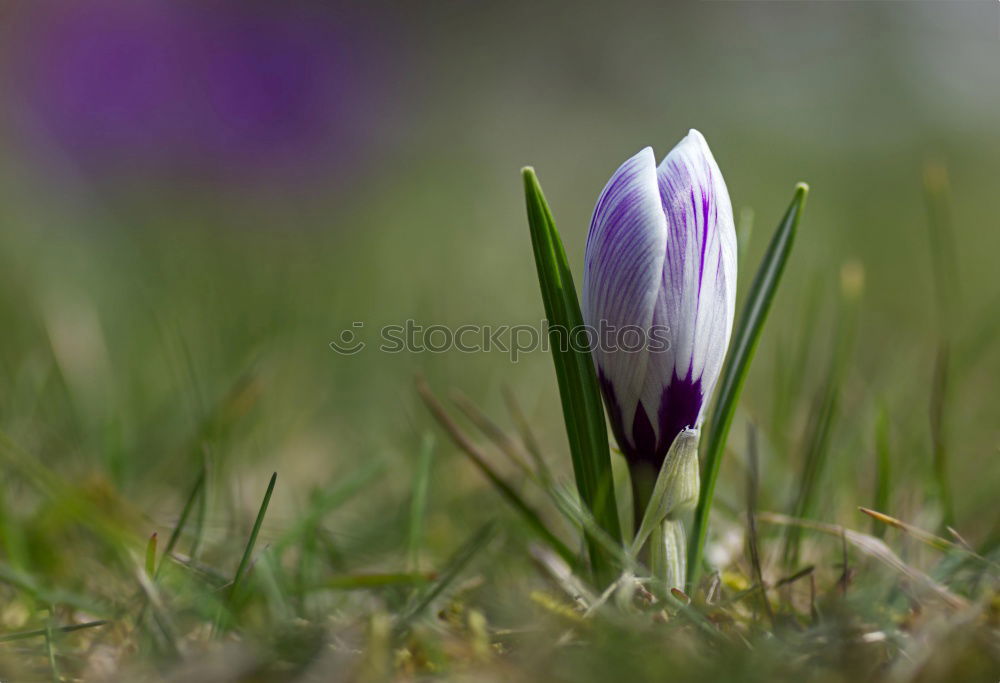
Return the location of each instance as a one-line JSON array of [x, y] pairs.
[[741, 350]]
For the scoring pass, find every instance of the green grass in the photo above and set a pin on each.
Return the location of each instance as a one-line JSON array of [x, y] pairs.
[[746, 336], [396, 545]]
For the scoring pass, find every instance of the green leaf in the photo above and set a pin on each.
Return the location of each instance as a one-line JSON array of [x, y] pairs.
[[578, 388], [741, 350]]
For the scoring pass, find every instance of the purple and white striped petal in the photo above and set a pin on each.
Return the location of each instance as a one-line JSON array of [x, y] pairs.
[[621, 281], [652, 396], [697, 298]]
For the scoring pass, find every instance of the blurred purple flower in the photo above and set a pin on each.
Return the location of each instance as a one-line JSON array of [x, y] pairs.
[[225, 90]]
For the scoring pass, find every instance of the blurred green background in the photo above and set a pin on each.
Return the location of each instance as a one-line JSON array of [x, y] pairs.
[[195, 201]]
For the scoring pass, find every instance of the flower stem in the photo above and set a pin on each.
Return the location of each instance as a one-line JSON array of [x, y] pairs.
[[668, 555]]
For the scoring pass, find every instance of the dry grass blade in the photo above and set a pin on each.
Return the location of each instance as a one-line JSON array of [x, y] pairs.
[[873, 547], [805, 571], [845, 575], [493, 432], [563, 576], [927, 537], [527, 436], [960, 539]]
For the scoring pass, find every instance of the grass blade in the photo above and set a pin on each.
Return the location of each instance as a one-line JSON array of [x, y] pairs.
[[175, 535], [307, 530], [51, 652], [874, 547], [926, 537], [883, 469], [151, 556], [745, 339], [451, 570], [948, 293], [168, 640], [938, 419], [152, 568], [349, 582], [418, 503], [492, 431], [753, 485], [819, 433], [941, 235], [527, 437], [825, 410], [202, 511], [27, 582], [326, 499], [479, 460], [248, 551], [583, 411], [790, 375], [570, 507], [23, 635]]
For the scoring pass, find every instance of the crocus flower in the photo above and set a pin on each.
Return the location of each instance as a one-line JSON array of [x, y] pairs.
[[661, 257]]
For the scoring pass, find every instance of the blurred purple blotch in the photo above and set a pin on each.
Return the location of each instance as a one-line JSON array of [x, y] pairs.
[[227, 91]]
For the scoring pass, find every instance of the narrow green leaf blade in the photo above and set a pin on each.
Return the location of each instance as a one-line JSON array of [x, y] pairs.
[[577, 379], [883, 469], [479, 460], [349, 582], [418, 501], [22, 635], [328, 498], [452, 569], [252, 541], [175, 535], [744, 343]]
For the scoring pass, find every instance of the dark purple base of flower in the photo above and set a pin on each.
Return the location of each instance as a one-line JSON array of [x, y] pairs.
[[680, 407]]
